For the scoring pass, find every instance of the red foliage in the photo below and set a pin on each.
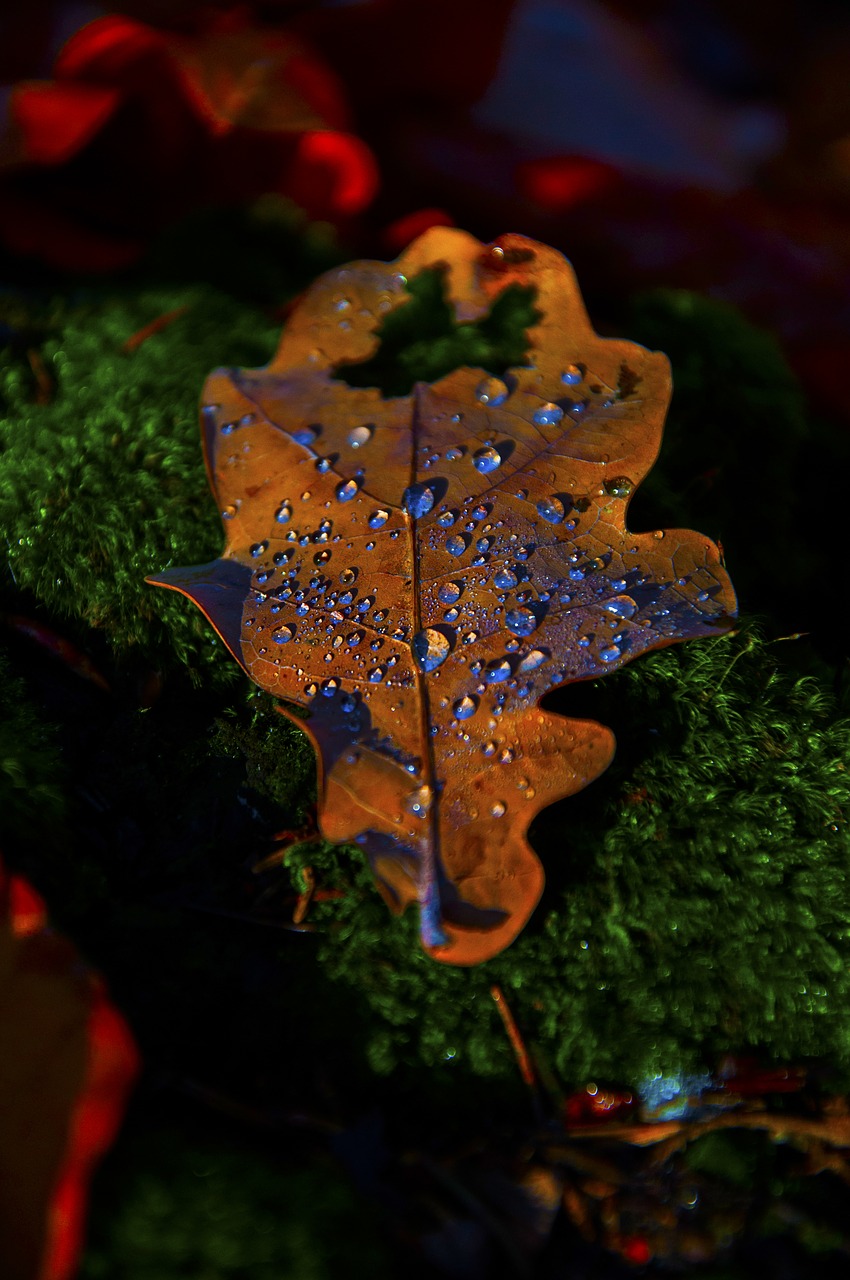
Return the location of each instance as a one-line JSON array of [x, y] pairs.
[[138, 126]]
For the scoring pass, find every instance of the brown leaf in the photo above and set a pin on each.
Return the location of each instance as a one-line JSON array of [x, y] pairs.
[[418, 571]]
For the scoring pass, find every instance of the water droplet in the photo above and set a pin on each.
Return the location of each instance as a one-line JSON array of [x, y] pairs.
[[228, 512], [618, 486], [354, 638], [322, 557], [455, 545], [489, 748], [258, 548], [346, 490], [658, 533], [479, 512], [418, 500], [505, 580], [359, 436], [507, 756], [532, 660], [323, 465], [342, 304], [305, 435], [548, 415], [470, 637], [378, 519], [521, 621], [498, 809], [449, 592], [305, 497], [621, 606], [446, 519], [551, 509], [491, 391], [486, 459], [609, 654], [464, 708], [329, 687], [430, 649], [571, 376], [376, 675], [311, 689], [347, 577], [484, 544], [419, 801], [453, 454], [498, 671]]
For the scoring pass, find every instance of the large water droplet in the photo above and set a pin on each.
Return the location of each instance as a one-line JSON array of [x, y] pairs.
[[354, 638], [284, 513], [282, 635], [378, 519], [329, 687], [347, 577], [346, 490], [618, 486], [609, 654], [258, 548], [497, 672], [521, 621], [505, 580], [571, 376], [455, 545], [491, 391], [376, 675], [464, 707], [430, 649], [418, 500], [359, 436], [551, 509], [532, 660], [548, 415], [449, 592], [486, 459], [621, 606], [446, 519]]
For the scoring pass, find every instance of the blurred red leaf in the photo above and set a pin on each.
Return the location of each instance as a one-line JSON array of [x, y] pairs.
[[66, 1067], [417, 572], [138, 126]]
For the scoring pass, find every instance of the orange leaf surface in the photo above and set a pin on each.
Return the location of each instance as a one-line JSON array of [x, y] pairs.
[[417, 571], [66, 1064]]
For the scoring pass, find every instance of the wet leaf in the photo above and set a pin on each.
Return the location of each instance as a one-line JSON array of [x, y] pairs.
[[66, 1065], [416, 571]]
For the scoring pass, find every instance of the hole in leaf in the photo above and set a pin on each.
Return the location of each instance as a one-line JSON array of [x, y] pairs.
[[421, 341]]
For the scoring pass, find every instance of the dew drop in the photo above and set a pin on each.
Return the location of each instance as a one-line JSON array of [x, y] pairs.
[[521, 621], [486, 459], [455, 545], [489, 748], [498, 809], [507, 756], [329, 687], [621, 606], [418, 500], [453, 454], [618, 486], [354, 639], [532, 660], [449, 592], [505, 580], [258, 548], [551, 509], [571, 376], [322, 557], [282, 635], [609, 654], [284, 513], [446, 519], [491, 391], [464, 708], [346, 490], [497, 672], [378, 519], [228, 512], [376, 675], [359, 436], [470, 637], [548, 415], [347, 577], [323, 465], [430, 649], [311, 689]]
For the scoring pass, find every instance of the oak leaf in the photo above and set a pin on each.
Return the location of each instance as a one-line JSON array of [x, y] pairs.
[[66, 1065], [415, 572]]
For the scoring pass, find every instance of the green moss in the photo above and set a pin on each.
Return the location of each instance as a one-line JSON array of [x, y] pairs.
[[32, 776], [194, 1204]]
